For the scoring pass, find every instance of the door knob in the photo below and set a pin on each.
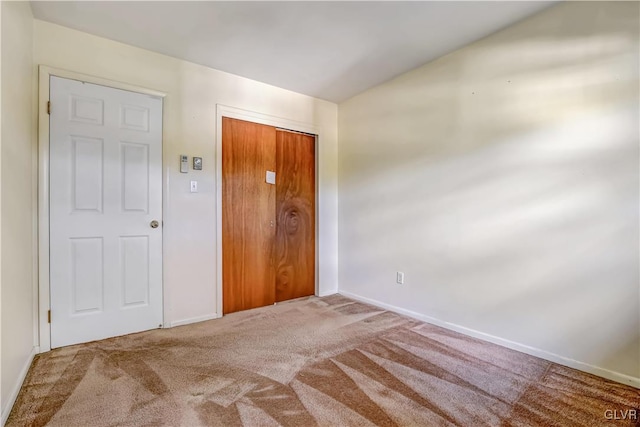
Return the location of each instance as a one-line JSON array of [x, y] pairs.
[[154, 224]]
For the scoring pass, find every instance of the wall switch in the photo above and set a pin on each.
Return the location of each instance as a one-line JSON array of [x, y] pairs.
[[400, 277], [194, 186]]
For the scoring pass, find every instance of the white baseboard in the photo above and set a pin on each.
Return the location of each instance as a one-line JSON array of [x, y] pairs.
[[328, 292], [194, 320], [552, 357], [6, 410]]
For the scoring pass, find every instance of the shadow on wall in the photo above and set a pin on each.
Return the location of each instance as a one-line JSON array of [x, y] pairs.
[[504, 180]]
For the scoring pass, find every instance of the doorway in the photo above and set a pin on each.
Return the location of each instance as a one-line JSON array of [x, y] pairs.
[[268, 214], [105, 211]]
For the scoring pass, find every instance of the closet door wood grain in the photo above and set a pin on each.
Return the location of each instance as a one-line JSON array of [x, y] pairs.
[[248, 215], [295, 209]]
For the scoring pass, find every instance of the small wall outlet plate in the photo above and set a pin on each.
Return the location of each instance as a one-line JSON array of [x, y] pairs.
[[400, 277]]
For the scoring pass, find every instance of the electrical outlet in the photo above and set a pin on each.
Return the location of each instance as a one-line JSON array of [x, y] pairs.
[[400, 277]]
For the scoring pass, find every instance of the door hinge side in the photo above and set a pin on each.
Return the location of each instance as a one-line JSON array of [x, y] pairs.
[[49, 316], [48, 107]]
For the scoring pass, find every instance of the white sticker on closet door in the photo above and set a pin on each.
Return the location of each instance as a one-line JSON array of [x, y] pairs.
[[271, 177], [135, 177], [87, 274], [86, 110], [134, 256], [86, 165], [134, 118]]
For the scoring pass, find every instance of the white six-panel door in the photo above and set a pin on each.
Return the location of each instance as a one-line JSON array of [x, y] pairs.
[[105, 191]]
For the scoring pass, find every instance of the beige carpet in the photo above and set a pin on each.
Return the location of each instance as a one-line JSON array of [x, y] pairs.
[[318, 361]]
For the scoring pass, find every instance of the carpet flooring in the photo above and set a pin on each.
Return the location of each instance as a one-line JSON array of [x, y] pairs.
[[312, 362]]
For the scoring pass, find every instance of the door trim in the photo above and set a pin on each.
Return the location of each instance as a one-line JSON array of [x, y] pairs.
[[44, 74], [264, 119]]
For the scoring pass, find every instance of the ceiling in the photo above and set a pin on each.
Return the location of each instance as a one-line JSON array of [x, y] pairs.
[[329, 50]]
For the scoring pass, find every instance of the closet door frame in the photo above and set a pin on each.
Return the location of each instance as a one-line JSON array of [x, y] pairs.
[[264, 119]]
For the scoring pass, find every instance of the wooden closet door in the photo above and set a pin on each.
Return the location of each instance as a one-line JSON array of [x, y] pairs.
[[295, 207], [248, 215]]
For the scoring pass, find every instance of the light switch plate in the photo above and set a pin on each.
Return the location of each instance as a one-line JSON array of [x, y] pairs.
[[271, 177], [194, 186]]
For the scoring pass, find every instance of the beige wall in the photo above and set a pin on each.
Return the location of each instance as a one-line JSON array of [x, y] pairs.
[[190, 128], [17, 218], [503, 180], [1, 395]]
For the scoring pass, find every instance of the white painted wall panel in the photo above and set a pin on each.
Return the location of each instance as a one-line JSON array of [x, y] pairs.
[[135, 177], [134, 117], [86, 273], [134, 256], [87, 173], [84, 109]]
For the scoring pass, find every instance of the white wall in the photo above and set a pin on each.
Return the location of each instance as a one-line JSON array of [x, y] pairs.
[[17, 208], [190, 128], [1, 396], [503, 180]]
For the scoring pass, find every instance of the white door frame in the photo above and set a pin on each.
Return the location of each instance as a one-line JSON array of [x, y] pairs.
[[44, 328], [263, 119]]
